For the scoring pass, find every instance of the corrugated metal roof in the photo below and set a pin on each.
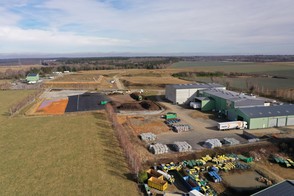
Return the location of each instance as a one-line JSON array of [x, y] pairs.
[[195, 85], [228, 95], [285, 188], [268, 111], [249, 102], [240, 99]]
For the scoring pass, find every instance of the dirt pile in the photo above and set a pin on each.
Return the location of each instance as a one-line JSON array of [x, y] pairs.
[[139, 106], [149, 105]]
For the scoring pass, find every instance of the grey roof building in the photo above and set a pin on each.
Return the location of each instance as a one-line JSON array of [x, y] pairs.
[[285, 188], [184, 93], [260, 112]]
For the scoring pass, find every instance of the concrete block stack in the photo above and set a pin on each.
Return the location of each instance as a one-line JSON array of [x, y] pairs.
[[147, 137], [182, 146], [158, 148], [181, 128], [212, 143], [231, 141]]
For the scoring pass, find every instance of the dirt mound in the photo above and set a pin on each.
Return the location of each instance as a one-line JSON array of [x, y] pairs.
[[130, 106], [149, 105], [143, 105]]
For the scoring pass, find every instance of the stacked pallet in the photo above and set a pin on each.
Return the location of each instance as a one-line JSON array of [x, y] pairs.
[[231, 141], [182, 146], [181, 128], [148, 137], [212, 143], [158, 148]]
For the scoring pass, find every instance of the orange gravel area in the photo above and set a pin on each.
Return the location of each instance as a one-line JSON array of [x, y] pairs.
[[143, 125], [55, 107]]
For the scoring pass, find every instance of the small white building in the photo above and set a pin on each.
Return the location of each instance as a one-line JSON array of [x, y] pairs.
[[184, 93]]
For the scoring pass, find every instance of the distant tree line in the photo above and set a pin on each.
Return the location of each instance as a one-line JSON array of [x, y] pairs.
[[198, 74]]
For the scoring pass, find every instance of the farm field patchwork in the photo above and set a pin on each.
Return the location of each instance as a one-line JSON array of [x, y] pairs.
[[60, 155]]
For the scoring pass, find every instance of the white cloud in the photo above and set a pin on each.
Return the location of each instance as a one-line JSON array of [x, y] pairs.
[[43, 40], [154, 25]]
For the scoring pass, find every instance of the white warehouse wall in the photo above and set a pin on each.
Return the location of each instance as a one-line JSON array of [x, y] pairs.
[[185, 95], [170, 93]]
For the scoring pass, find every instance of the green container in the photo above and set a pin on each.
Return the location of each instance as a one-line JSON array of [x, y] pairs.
[[171, 115], [103, 102]]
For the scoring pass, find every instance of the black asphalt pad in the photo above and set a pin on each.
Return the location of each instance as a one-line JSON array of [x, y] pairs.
[[85, 102]]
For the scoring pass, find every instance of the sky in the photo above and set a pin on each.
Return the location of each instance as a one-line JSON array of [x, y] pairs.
[[147, 26]]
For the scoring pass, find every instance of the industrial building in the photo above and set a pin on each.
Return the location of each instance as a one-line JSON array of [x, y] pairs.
[[258, 112], [32, 78], [265, 117], [285, 188], [224, 100], [185, 93]]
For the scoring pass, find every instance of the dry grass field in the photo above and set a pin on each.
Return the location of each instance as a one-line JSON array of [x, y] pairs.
[[60, 155], [150, 81], [16, 68], [81, 80], [80, 77]]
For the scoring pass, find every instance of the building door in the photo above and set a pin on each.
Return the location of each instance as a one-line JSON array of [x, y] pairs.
[[281, 122], [290, 121], [273, 122]]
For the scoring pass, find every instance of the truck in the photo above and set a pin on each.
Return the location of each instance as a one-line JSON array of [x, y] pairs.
[[195, 105], [232, 125], [168, 177]]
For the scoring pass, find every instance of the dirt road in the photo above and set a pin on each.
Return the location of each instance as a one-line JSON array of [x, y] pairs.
[[118, 83]]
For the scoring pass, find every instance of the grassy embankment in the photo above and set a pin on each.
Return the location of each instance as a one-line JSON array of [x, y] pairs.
[[61, 155]]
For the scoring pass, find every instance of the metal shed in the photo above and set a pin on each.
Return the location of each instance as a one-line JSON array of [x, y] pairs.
[[269, 116], [32, 78], [184, 93]]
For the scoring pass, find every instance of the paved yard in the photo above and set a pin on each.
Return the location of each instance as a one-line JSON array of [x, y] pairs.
[[202, 129]]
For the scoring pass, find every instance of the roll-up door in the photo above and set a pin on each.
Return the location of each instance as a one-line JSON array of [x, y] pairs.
[[290, 121], [273, 122], [282, 122]]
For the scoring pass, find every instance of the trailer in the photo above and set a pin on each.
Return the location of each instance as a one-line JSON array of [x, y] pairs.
[[232, 125], [195, 105]]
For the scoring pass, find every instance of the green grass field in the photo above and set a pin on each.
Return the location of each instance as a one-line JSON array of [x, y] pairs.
[[74, 154], [280, 69], [183, 64]]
